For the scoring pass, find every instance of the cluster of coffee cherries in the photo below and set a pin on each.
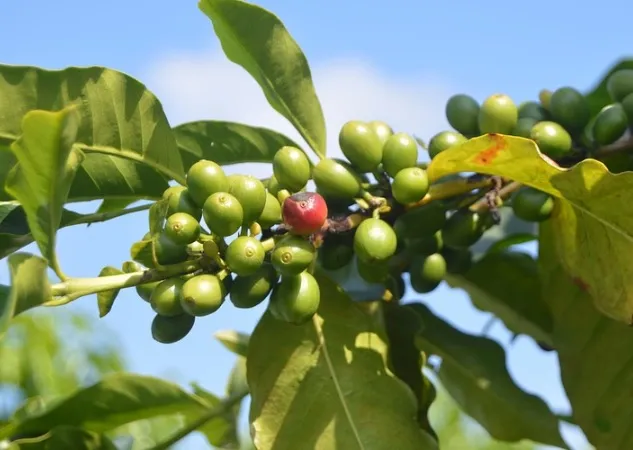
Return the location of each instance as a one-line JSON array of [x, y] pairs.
[[560, 123], [243, 239]]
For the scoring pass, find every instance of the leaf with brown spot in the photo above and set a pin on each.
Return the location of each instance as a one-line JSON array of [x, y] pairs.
[[595, 354], [593, 217]]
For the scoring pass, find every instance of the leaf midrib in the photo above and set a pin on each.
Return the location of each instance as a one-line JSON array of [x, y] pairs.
[[337, 384]]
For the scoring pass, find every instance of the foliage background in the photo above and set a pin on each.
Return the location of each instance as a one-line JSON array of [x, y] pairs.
[[398, 66]]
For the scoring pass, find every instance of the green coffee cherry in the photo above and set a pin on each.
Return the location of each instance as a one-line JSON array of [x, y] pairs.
[[245, 255], [498, 114], [427, 272], [374, 241], [251, 194], [165, 299], [570, 109], [295, 299], [551, 138], [627, 105], [335, 180], [382, 130], [168, 330], [444, 140], [524, 126], [335, 254], [610, 124], [167, 251], [373, 273], [182, 228], [179, 200], [462, 113], [205, 178], [250, 291], [202, 295], [292, 255], [271, 215], [399, 152], [425, 245], [620, 84], [533, 110], [272, 186], [463, 229], [421, 222], [223, 214], [532, 205], [291, 168], [361, 145], [410, 185]]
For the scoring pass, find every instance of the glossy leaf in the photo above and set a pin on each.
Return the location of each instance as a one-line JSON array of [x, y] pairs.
[[106, 299], [234, 341], [228, 143], [474, 373], [506, 284], [67, 438], [258, 41], [593, 218], [402, 325], [46, 168], [114, 401], [598, 97], [29, 287], [334, 371], [595, 355], [221, 431], [14, 229], [123, 130]]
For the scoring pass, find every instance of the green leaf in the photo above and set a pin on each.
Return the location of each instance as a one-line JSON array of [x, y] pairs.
[[14, 228], [506, 284], [228, 143], [29, 287], [234, 341], [474, 373], [114, 401], [114, 204], [511, 240], [67, 438], [221, 431], [106, 299], [156, 217], [595, 354], [46, 168], [593, 218], [124, 130], [334, 371], [258, 41], [402, 326], [598, 97]]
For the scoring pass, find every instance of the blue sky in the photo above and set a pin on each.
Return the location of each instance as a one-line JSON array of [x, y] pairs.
[[397, 63]]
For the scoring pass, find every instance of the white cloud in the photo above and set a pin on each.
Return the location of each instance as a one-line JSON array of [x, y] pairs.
[[195, 86]]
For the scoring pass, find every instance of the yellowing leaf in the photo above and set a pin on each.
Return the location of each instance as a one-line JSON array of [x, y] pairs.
[[592, 221], [595, 354]]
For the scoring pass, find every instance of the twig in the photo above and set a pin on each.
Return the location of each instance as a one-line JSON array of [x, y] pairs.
[[217, 411]]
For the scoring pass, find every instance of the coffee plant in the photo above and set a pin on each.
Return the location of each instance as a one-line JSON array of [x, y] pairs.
[[328, 367]]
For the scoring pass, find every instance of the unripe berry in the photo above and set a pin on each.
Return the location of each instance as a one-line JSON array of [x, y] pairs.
[[304, 213]]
